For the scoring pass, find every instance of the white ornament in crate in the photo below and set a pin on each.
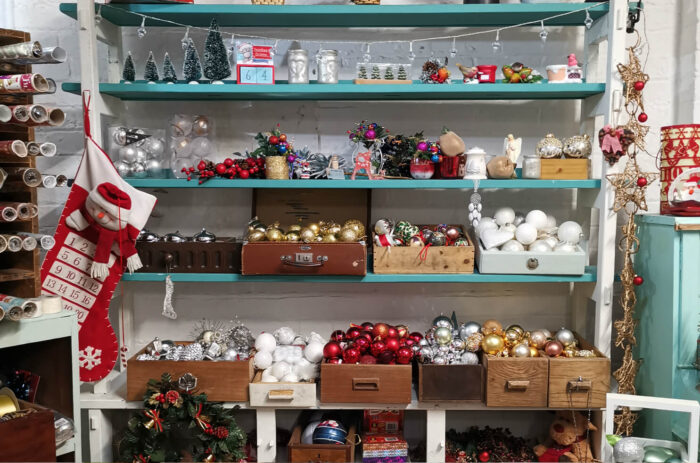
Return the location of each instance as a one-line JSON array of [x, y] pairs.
[[570, 232], [262, 360], [265, 342], [284, 335], [537, 218], [513, 246], [540, 246], [526, 233], [314, 352], [504, 215]]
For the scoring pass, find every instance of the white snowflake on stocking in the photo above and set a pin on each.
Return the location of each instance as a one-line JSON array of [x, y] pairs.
[[90, 357]]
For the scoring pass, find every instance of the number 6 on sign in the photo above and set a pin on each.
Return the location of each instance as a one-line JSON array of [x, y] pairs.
[[255, 74]]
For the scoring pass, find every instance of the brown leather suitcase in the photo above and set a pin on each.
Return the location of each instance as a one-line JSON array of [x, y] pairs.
[[273, 258]]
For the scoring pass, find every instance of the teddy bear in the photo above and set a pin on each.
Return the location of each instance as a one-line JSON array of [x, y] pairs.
[[568, 438]]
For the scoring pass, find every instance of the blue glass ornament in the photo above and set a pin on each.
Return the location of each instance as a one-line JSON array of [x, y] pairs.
[[435, 158], [282, 149]]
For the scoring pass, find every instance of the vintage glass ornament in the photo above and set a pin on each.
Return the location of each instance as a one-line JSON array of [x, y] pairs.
[[492, 344], [512, 337], [351, 355], [438, 239], [119, 136], [491, 326], [404, 355], [274, 234], [474, 342], [534, 352], [377, 347], [443, 335], [453, 233], [314, 227], [458, 344], [386, 357], [292, 237], [380, 330], [348, 235], [138, 170], [553, 348], [577, 147], [520, 350], [504, 215], [538, 339], [140, 155], [392, 344], [570, 232], [565, 336], [356, 225], [517, 328], [154, 147], [467, 329], [154, 168], [540, 246], [256, 235], [442, 321], [469, 358], [200, 126], [549, 147], [127, 154], [512, 246], [181, 125], [329, 239], [537, 218], [307, 235], [123, 169], [332, 349]]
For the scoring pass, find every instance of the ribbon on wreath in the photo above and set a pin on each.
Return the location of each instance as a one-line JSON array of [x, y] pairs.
[[202, 420], [140, 458], [156, 420], [611, 140]]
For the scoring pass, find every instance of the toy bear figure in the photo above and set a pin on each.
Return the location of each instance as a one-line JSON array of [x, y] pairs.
[[568, 439], [107, 210]]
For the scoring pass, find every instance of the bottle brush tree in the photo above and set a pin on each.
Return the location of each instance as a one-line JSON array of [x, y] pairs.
[[389, 73], [168, 69], [151, 72], [216, 65], [192, 69], [362, 72], [129, 72], [402, 73], [375, 72]]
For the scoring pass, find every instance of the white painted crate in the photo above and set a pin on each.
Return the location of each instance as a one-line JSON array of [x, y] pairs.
[[282, 395], [526, 262]]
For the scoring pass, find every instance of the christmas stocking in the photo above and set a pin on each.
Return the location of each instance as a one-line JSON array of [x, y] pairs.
[[94, 243]]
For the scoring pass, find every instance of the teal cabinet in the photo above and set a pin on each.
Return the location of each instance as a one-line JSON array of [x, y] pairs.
[[668, 309]]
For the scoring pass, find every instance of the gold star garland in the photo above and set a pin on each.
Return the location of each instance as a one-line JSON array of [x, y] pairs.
[[630, 194]]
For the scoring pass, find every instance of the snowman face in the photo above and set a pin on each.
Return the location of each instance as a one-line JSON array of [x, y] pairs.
[[102, 217]]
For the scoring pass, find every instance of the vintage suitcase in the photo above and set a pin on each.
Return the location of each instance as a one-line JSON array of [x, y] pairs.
[[516, 382], [450, 383], [220, 256], [383, 384], [222, 381]]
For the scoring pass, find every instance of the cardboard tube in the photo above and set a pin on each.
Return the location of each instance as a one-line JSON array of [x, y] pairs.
[[23, 50], [45, 241], [56, 118], [13, 148], [27, 307], [14, 243], [23, 83], [49, 55], [51, 304], [5, 113], [36, 113], [29, 243], [47, 149], [24, 210], [48, 181], [20, 114]]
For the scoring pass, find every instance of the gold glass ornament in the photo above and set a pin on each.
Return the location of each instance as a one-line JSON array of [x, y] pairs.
[[443, 335], [314, 227], [274, 234], [492, 344], [586, 353], [569, 352], [491, 326], [276, 168], [538, 339], [209, 458], [334, 228], [200, 127], [474, 342], [294, 228], [318, 238], [520, 350], [329, 239], [534, 352], [256, 235], [512, 337], [355, 225], [517, 328], [348, 235], [292, 236], [307, 235]]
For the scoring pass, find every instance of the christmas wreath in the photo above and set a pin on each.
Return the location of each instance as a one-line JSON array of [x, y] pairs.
[[178, 424]]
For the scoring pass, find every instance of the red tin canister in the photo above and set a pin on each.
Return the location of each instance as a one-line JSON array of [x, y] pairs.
[[680, 152]]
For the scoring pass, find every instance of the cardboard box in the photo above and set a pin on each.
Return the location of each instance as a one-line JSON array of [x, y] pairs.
[[380, 421]]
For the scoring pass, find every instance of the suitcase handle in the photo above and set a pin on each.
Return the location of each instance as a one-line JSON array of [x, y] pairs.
[[365, 384], [579, 385], [517, 385], [281, 394], [302, 264]]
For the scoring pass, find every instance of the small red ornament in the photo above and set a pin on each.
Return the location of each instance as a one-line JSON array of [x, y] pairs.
[[244, 174], [273, 140], [377, 348], [392, 332], [367, 335], [484, 456], [352, 333], [386, 357], [335, 361], [368, 360], [639, 85], [362, 343], [416, 336], [338, 335], [637, 280], [332, 350], [380, 330], [228, 162], [642, 182], [642, 117], [404, 355], [283, 138], [367, 326], [220, 169], [202, 165], [392, 344], [351, 355], [408, 342]]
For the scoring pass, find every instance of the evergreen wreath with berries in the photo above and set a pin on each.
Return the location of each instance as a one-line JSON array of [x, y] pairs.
[[178, 424]]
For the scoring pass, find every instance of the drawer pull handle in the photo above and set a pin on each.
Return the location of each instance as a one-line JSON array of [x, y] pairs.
[[579, 385], [281, 394], [532, 263], [517, 385], [365, 384]]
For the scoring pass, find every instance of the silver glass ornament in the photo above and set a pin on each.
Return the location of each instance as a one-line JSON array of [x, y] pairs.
[[147, 236], [154, 168], [442, 321], [426, 354], [123, 169], [145, 357], [440, 360], [469, 328], [213, 351], [174, 238], [458, 344], [521, 350], [141, 155], [154, 147], [566, 337], [206, 338], [469, 358], [204, 236], [193, 351], [141, 31], [298, 61], [119, 136], [549, 147], [230, 354], [423, 342], [127, 154], [577, 147], [138, 170]]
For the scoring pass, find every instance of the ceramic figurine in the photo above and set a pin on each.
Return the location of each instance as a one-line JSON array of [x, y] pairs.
[[476, 164], [574, 73], [512, 147], [570, 73], [470, 74]]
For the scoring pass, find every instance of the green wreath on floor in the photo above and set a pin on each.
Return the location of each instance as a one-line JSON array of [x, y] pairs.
[[178, 424]]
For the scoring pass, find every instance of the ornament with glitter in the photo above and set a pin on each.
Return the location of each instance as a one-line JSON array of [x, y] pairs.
[[141, 31]]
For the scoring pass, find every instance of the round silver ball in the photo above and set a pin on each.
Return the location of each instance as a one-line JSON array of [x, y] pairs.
[[566, 337], [469, 328], [122, 168], [628, 450], [138, 170], [127, 154], [141, 155], [154, 147], [119, 136], [154, 167]]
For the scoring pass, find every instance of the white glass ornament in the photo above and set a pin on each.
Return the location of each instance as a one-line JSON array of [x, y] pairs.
[[314, 352], [268, 377], [570, 232], [201, 147], [182, 147], [509, 227], [127, 154], [551, 222], [138, 170], [141, 155], [551, 241], [512, 246], [526, 233], [265, 342], [154, 147], [519, 218], [141, 31], [564, 336], [504, 215], [180, 125], [411, 55], [469, 358], [281, 369], [285, 335], [290, 378], [540, 246], [536, 218], [262, 360], [178, 164], [565, 247]]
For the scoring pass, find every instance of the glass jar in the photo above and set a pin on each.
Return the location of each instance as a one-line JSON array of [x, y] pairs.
[[422, 169], [328, 66], [531, 166], [298, 66]]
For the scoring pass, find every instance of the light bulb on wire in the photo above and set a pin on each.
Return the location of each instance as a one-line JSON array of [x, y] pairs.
[[232, 46], [141, 31], [186, 39], [453, 51], [543, 33], [367, 57], [411, 55], [98, 15], [273, 50], [588, 22], [496, 44]]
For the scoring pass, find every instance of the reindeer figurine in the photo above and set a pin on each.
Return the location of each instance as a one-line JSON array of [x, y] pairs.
[[363, 161]]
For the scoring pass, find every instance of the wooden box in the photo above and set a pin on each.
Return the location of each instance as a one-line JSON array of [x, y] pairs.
[[222, 381], [282, 395], [564, 169], [333, 453], [220, 256], [516, 382], [438, 259], [579, 382], [28, 438], [451, 383], [357, 383]]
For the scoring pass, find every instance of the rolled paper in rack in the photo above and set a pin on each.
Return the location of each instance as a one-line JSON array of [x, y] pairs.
[[29, 113], [23, 83], [5, 113], [13, 148], [51, 304], [56, 118], [17, 308], [48, 55], [22, 50]]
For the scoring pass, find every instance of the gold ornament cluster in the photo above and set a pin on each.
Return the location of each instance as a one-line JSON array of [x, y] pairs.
[[323, 231]]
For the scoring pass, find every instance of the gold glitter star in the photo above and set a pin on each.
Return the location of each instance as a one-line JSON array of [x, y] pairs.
[[627, 191]]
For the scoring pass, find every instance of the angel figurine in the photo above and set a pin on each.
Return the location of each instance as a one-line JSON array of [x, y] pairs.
[[512, 147]]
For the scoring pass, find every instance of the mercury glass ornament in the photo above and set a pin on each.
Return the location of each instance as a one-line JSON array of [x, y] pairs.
[[474, 342], [154, 168], [549, 147], [440, 360], [512, 337], [443, 335], [204, 236], [154, 147], [442, 321], [200, 126], [141, 155], [577, 147], [119, 136], [230, 354], [469, 358], [193, 351], [138, 170], [328, 67], [127, 154], [438, 239], [521, 350], [467, 329], [174, 238], [566, 337], [213, 351], [122, 168], [459, 344]]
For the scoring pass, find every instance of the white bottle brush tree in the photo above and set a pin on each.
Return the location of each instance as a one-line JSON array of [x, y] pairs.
[[151, 72], [216, 65], [129, 72], [389, 74], [192, 69], [375, 72], [169, 75]]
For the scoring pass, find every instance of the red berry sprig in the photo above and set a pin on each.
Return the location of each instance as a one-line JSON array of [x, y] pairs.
[[230, 168]]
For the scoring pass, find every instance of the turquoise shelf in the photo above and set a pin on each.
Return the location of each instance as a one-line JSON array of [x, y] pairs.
[[588, 277], [343, 91], [347, 15], [389, 184]]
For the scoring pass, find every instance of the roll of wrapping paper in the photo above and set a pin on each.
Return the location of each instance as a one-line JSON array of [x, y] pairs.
[[29, 243], [19, 114], [51, 304], [23, 50], [23, 83], [45, 241], [14, 243], [29, 113], [39, 302], [48, 181], [15, 148], [3, 244], [24, 210], [56, 118], [8, 401], [61, 180], [46, 149], [5, 113], [29, 175], [16, 305], [8, 213], [49, 55]]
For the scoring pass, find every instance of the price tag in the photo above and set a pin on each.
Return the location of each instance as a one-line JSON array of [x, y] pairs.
[[255, 74]]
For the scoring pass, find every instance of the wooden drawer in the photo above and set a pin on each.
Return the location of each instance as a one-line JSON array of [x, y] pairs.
[[579, 382], [273, 258], [221, 381], [564, 169], [281, 395], [28, 438], [460, 383], [303, 453], [377, 384], [221, 256], [438, 259], [516, 382]]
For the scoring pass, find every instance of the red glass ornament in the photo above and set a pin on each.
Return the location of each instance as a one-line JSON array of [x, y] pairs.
[[335, 361], [484, 456], [283, 138], [637, 280], [639, 85], [386, 357], [367, 326], [244, 174], [362, 343], [351, 355], [368, 360], [642, 182], [642, 117], [273, 140], [332, 350], [367, 335], [228, 162], [338, 335], [377, 348], [220, 169], [402, 330], [416, 336], [553, 348], [352, 333], [202, 165], [404, 355], [392, 344], [380, 330], [408, 342], [392, 332]]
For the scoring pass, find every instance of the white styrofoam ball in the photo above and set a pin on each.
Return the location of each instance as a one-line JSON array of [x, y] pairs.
[[512, 246], [294, 354], [504, 215], [551, 241], [551, 221], [570, 232], [265, 342], [268, 377], [509, 227], [540, 246], [526, 233], [290, 378], [281, 369], [537, 218], [284, 335], [307, 437], [262, 360], [519, 218], [485, 225], [565, 247], [315, 337], [314, 352]]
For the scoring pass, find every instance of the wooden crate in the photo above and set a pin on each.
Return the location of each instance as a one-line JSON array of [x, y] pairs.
[[220, 256], [221, 381], [579, 382], [332, 453], [377, 384], [450, 383], [282, 395], [30, 437], [516, 382], [439, 259], [564, 169]]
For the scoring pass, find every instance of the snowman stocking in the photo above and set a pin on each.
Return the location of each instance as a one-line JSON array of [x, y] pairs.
[[94, 243]]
